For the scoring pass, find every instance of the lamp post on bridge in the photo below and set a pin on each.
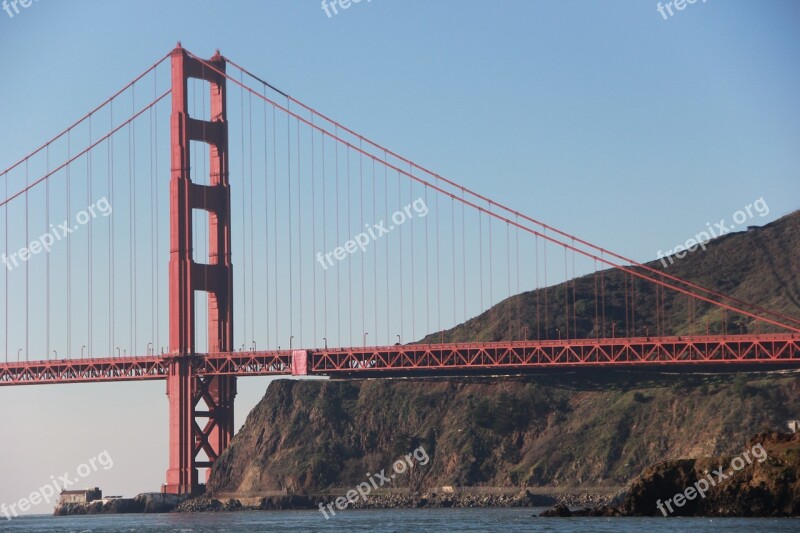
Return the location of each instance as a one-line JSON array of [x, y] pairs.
[[82, 348], [365, 339], [149, 348], [325, 340]]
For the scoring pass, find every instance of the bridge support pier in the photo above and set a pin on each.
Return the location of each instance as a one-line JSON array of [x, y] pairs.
[[196, 429]]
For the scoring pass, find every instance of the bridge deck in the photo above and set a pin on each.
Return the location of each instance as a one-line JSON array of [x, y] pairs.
[[414, 359]]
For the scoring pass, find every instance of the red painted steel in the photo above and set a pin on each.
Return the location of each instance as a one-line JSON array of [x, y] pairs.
[[299, 363], [512, 356], [414, 359], [184, 388]]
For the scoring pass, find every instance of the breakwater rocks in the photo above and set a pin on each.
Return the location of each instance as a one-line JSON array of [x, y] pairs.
[[204, 504], [438, 500], [524, 498]]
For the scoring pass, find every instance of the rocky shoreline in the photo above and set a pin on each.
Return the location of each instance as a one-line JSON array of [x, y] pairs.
[[165, 503], [762, 481], [395, 501]]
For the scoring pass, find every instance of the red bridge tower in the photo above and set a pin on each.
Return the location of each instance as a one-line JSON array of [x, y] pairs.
[[194, 428]]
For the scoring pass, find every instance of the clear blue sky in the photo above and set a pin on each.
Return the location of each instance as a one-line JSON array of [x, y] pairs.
[[598, 117]]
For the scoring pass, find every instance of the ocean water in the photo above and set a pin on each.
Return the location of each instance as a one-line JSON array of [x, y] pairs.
[[391, 521]]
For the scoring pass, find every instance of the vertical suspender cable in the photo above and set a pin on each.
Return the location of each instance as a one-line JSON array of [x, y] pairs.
[[111, 280], [47, 258], [546, 306], [400, 233], [603, 296], [90, 259], [68, 350], [491, 265], [633, 304], [5, 272], [596, 309], [337, 208], [361, 225], [374, 257], [464, 257], [438, 264], [266, 221], [349, 262], [27, 271], [275, 219], [156, 248], [453, 250], [508, 265], [153, 211], [291, 229], [538, 288], [520, 319], [244, 214], [480, 258], [324, 243], [574, 296], [134, 295], [566, 296], [251, 224], [427, 268], [299, 241], [411, 227], [386, 246], [132, 232], [313, 231]]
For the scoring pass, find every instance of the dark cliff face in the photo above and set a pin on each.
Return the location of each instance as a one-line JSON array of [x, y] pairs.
[[572, 431]]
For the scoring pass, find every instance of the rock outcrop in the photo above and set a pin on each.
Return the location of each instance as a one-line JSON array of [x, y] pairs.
[[762, 481]]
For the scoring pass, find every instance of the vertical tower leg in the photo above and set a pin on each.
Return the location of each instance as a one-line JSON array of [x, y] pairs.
[[182, 475], [187, 436]]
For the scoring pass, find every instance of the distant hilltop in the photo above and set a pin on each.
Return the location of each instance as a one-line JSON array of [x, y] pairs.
[[759, 266]]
